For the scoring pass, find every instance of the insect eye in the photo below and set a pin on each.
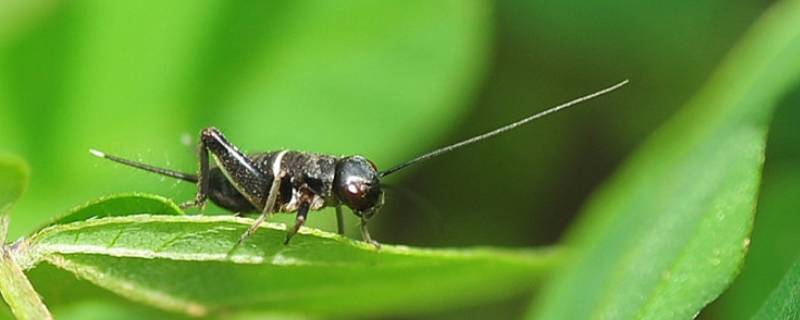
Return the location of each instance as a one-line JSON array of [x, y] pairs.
[[355, 189], [358, 188]]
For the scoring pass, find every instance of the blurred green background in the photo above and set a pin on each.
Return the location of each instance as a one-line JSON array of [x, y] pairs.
[[386, 80]]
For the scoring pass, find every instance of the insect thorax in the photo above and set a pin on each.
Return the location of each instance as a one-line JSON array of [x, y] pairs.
[[300, 171]]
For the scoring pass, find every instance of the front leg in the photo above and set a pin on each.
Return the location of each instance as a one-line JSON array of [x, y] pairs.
[[339, 220], [365, 234], [302, 213]]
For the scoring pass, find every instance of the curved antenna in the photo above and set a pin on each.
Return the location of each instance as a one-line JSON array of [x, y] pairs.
[[188, 177], [443, 150]]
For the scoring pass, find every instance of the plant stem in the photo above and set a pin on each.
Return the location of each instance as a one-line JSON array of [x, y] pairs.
[[3, 226], [18, 292]]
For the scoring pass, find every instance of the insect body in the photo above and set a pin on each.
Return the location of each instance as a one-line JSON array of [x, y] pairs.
[[293, 181]]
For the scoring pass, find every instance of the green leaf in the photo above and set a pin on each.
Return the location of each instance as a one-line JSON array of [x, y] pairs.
[[74, 298], [669, 232], [784, 302], [121, 205], [774, 247], [774, 242], [180, 263]]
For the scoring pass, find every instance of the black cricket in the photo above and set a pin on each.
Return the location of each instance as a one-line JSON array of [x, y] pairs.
[[294, 181]]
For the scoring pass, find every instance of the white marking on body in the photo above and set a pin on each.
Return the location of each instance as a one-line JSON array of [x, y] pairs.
[[246, 193], [317, 202], [292, 204], [276, 163], [277, 172]]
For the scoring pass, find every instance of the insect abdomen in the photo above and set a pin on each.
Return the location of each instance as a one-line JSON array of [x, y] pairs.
[[225, 195]]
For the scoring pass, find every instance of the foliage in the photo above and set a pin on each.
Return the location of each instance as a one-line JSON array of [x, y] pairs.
[[14, 286], [784, 302], [669, 233], [663, 237], [182, 263]]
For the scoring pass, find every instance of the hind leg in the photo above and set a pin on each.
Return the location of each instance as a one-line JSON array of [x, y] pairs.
[[237, 167]]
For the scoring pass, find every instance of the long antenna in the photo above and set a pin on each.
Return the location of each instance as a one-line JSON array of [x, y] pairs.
[[146, 167], [440, 151]]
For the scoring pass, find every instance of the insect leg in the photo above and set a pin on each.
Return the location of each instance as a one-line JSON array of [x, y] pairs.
[[302, 212], [238, 168], [202, 180], [365, 234], [268, 207], [339, 220]]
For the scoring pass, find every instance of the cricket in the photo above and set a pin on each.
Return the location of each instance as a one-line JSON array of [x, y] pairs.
[[298, 182]]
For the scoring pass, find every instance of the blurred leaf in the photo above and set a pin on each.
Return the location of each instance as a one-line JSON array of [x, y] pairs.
[[773, 249], [13, 180], [784, 302], [16, 14], [121, 205], [134, 77], [346, 77], [667, 235], [17, 291], [179, 263]]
